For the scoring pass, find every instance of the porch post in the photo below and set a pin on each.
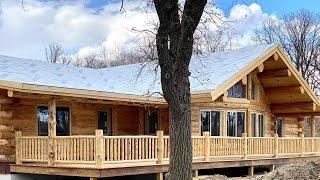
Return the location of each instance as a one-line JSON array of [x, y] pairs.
[[18, 147], [244, 145], [99, 152], [52, 123], [313, 126], [160, 147], [313, 131], [206, 146], [276, 145], [302, 144]]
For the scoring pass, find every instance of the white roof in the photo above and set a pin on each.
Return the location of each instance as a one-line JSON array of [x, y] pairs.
[[207, 73]]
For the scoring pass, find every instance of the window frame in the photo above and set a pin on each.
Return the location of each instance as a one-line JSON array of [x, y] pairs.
[[109, 114], [236, 123], [282, 126], [256, 132], [57, 106], [244, 94], [210, 110], [146, 121]]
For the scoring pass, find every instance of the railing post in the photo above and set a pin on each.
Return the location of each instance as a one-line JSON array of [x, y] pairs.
[[302, 144], [244, 145], [276, 145], [99, 151], [52, 124], [160, 147], [18, 147], [206, 146]]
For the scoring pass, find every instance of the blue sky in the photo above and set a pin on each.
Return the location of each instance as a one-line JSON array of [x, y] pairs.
[[85, 26], [277, 7]]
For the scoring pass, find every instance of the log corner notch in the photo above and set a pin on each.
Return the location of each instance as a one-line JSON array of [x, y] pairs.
[[7, 131]]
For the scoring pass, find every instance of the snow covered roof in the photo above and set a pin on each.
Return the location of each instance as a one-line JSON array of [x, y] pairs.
[[207, 73]]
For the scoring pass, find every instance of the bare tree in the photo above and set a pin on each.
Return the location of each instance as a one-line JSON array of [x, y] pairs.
[[55, 54], [174, 48], [299, 34]]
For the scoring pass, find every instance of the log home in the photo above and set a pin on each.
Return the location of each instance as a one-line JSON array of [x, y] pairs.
[[248, 109]]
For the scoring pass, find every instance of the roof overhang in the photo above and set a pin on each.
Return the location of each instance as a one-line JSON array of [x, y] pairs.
[[58, 91]]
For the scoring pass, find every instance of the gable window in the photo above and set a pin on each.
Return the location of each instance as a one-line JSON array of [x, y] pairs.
[[237, 91], [253, 90], [235, 123], [62, 118], [279, 127], [257, 124], [210, 122]]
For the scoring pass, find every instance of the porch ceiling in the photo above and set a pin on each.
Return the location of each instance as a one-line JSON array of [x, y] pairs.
[[285, 92]]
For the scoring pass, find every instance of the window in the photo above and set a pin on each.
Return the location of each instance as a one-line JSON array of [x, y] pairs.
[[253, 90], [104, 122], [279, 127], [62, 118], [210, 122], [151, 122], [254, 124], [235, 123], [257, 124], [261, 125], [237, 91]]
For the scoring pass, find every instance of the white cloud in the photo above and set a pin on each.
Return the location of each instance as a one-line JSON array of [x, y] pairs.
[[27, 33], [245, 19], [78, 29]]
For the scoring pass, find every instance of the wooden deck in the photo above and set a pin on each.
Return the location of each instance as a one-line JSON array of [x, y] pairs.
[[108, 156]]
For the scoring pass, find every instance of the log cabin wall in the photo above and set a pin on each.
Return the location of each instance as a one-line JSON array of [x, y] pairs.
[[21, 115]]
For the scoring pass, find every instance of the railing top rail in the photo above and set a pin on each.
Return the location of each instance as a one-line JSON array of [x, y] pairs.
[[76, 136], [260, 137], [124, 137], [224, 137], [34, 137]]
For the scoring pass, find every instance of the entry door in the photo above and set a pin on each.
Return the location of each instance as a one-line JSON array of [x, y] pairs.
[[151, 122], [104, 122]]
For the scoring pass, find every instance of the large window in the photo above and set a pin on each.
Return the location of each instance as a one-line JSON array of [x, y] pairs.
[[237, 91], [279, 127], [257, 122], [62, 118], [235, 123], [210, 122]]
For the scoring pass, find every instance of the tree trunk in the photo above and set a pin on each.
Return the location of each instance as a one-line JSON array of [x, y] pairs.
[[174, 47]]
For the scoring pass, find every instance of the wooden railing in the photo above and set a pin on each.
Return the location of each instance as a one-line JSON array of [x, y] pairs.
[[99, 150]]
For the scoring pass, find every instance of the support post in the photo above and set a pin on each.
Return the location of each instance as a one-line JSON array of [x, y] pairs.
[[18, 147], [99, 151], [313, 126], [159, 176], [52, 123], [276, 145], [195, 174], [313, 131], [250, 171], [302, 144], [160, 147], [244, 145], [206, 146]]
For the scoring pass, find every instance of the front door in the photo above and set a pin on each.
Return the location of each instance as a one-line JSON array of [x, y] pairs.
[[104, 122], [151, 122]]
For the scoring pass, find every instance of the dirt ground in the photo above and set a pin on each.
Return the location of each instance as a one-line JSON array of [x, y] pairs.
[[300, 171]]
